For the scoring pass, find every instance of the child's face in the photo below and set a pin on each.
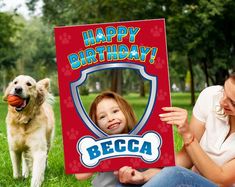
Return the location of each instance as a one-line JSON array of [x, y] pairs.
[[110, 118]]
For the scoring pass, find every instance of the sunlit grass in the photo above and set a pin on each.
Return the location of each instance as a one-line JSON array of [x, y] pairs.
[[55, 175]]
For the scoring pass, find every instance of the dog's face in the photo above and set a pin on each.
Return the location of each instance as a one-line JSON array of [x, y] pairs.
[[28, 89]]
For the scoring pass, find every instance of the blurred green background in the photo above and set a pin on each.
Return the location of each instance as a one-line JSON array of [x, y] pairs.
[[55, 175], [200, 36], [201, 52]]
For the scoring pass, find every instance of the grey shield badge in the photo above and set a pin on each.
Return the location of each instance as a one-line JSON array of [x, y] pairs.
[[82, 112]]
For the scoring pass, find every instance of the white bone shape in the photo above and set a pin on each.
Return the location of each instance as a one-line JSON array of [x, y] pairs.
[[92, 151]]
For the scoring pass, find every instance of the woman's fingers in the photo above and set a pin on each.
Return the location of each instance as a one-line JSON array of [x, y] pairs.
[[178, 123], [174, 115], [176, 109], [175, 119], [125, 174], [173, 112], [83, 176]]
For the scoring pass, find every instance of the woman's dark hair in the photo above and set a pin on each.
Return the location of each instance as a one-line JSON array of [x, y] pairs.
[[231, 76]]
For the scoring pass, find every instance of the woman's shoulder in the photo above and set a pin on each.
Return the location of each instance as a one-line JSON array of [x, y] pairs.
[[208, 94], [206, 101], [212, 90]]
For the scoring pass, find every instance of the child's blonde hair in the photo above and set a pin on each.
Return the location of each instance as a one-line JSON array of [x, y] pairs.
[[122, 103]]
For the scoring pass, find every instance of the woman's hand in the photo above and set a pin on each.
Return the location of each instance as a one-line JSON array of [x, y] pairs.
[[83, 176], [178, 117], [128, 175]]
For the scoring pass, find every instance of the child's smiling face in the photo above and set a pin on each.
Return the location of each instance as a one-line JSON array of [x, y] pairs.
[[110, 118]]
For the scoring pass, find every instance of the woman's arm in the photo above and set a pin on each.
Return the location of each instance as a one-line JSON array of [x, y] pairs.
[[182, 159], [179, 117], [83, 176], [222, 175], [196, 128], [128, 175]]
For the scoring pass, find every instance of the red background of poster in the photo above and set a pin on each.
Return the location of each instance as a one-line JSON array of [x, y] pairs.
[[69, 40]]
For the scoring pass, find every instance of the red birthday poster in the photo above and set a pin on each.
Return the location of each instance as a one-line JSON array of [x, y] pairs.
[[101, 70]]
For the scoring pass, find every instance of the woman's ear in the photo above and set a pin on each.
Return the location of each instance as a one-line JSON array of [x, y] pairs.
[[7, 91]]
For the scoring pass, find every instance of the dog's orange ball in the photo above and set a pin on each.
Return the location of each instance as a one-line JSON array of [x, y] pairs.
[[15, 100]]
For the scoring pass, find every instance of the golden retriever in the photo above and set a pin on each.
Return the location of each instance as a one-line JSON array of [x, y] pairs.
[[30, 127]]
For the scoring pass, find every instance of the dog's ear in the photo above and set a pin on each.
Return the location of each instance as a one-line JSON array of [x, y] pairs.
[[40, 95], [7, 91], [43, 87], [44, 83]]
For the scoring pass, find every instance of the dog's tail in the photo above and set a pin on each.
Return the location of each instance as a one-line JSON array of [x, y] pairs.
[[50, 98]]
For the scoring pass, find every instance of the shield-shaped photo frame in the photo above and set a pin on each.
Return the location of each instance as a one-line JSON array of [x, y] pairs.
[[81, 110]]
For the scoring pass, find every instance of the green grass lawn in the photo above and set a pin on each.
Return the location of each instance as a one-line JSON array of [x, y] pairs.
[[55, 175]]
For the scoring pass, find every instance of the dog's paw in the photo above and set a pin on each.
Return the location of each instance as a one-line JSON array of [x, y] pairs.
[[25, 175], [36, 183], [25, 171], [16, 176]]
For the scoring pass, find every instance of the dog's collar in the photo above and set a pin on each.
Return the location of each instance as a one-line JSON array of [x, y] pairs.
[[26, 122], [29, 120]]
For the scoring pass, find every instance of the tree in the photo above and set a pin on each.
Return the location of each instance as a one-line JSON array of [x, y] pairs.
[[201, 32], [8, 29], [8, 54], [36, 49], [218, 38], [204, 32], [96, 11], [116, 83], [184, 36]]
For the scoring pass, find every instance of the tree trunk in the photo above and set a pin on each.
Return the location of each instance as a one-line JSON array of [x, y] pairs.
[[142, 90], [4, 81], [20, 66], [190, 65], [220, 76], [116, 83], [206, 72]]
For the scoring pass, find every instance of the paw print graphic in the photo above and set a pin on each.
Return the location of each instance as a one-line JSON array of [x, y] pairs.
[[134, 52], [72, 134], [99, 35], [67, 70], [68, 102], [159, 63], [105, 164], [126, 39], [162, 95], [75, 165], [163, 127], [65, 38], [135, 162], [156, 31], [166, 159]]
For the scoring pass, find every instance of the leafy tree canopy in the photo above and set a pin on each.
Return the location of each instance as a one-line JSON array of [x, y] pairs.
[[8, 30]]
